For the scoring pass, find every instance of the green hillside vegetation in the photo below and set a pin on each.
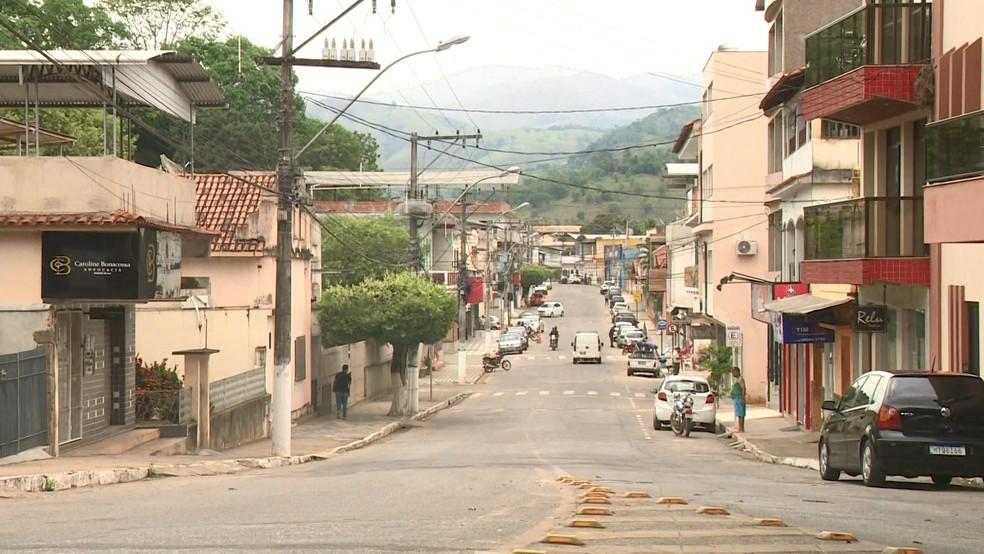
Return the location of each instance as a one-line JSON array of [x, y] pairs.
[[629, 173]]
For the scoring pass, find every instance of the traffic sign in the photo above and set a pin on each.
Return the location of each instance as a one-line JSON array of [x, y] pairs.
[[733, 334], [672, 328], [661, 324]]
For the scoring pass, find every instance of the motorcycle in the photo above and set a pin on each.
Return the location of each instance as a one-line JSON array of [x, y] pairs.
[[491, 362], [682, 418], [553, 342]]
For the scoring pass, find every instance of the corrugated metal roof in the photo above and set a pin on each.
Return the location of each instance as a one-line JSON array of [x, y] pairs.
[[167, 80], [402, 178], [12, 132]]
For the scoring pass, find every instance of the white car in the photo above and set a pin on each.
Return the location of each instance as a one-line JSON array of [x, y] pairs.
[[587, 347], [618, 307], [705, 409], [548, 284], [510, 343], [644, 361], [573, 279], [551, 309], [532, 322]]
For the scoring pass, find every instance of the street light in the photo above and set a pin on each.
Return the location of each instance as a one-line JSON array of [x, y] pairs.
[[514, 170], [441, 46]]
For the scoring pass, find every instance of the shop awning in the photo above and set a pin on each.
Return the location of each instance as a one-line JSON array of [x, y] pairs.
[[803, 304]]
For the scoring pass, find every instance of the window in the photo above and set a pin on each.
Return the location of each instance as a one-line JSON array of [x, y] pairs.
[[776, 46], [708, 101], [867, 394], [775, 143], [775, 241], [300, 359], [797, 129], [837, 130], [973, 338], [790, 131], [851, 397], [707, 183], [260, 357], [891, 32]]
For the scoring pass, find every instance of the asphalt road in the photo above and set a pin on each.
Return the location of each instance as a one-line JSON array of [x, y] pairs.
[[480, 477]]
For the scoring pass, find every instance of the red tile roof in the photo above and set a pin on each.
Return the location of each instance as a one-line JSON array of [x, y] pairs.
[[225, 203], [117, 218]]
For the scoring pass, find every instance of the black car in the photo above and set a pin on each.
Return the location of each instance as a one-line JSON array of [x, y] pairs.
[[612, 300], [908, 424], [626, 316]]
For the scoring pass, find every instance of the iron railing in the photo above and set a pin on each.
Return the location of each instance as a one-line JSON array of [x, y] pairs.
[[900, 25], [232, 391], [956, 147], [873, 227]]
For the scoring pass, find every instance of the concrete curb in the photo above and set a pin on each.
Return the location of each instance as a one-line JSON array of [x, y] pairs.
[[79, 479], [763, 456]]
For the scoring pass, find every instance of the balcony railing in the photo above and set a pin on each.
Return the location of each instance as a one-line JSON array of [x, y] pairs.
[[956, 147], [876, 227], [849, 43]]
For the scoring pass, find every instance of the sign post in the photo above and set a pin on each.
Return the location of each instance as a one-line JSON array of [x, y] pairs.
[[733, 340], [661, 325]]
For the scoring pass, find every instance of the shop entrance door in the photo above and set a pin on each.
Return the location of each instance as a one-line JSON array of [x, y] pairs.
[[68, 329]]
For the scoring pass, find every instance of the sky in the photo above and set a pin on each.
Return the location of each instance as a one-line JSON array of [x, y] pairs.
[[620, 38]]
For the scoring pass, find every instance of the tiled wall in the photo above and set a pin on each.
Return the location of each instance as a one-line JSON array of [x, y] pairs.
[[904, 271]]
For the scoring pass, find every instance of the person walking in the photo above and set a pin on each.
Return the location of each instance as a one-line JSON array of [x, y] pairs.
[[342, 386], [738, 397]]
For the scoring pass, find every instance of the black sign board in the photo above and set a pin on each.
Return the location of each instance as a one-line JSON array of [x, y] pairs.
[[870, 319], [99, 265]]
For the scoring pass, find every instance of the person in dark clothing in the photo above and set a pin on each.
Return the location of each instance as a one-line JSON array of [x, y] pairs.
[[611, 336], [342, 385]]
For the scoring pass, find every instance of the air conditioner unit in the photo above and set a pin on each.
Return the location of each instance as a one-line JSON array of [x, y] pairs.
[[747, 247]]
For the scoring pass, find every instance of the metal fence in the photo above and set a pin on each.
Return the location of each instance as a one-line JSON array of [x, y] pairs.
[[237, 389], [184, 405]]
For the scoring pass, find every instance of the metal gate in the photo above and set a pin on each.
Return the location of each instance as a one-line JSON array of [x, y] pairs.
[[23, 401]]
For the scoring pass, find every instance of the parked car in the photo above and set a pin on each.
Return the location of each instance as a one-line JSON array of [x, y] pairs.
[[616, 307], [532, 321], [541, 289], [549, 284], [551, 309], [643, 361], [537, 299], [605, 286], [510, 343], [494, 323], [523, 333], [612, 300], [628, 336], [587, 347], [612, 291], [908, 424], [574, 279], [705, 409], [626, 316]]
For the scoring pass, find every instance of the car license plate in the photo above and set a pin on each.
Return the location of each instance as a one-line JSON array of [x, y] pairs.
[[948, 450]]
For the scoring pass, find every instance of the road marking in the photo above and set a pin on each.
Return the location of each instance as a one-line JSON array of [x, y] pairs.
[[522, 393], [531, 357], [616, 394], [561, 357], [592, 393], [609, 357], [544, 393], [632, 401], [640, 395], [498, 410], [568, 392], [476, 394], [500, 393]]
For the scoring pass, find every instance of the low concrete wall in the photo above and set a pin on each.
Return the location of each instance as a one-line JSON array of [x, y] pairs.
[[241, 424], [369, 364]]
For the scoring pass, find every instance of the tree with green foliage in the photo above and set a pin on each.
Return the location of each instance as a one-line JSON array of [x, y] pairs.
[[351, 245], [244, 136], [717, 361], [602, 224], [159, 24], [401, 309], [533, 275]]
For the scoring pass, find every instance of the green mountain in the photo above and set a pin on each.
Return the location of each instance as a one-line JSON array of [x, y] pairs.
[[626, 184]]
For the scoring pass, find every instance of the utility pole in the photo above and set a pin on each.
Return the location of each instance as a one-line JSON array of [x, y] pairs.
[[282, 371], [283, 381], [462, 269]]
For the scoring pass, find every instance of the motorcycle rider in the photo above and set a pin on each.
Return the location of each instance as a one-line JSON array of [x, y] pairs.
[[555, 335]]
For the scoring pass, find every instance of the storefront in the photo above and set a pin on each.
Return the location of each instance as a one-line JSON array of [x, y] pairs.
[[899, 340], [92, 281]]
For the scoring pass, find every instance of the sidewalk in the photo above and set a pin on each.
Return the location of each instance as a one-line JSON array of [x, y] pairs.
[[313, 439], [447, 372], [770, 437]]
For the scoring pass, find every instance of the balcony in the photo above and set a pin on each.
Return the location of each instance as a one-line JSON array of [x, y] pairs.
[[863, 68], [866, 240], [956, 148]]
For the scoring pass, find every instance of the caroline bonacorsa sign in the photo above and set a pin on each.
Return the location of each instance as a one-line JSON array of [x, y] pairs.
[[870, 319]]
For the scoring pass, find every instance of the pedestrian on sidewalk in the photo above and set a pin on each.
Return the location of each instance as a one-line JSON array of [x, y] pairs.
[[738, 397], [342, 386]]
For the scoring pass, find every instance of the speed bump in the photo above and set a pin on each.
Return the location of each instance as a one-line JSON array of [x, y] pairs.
[[836, 536], [637, 494], [593, 511], [670, 500], [902, 550], [525, 551], [586, 486], [768, 522], [565, 478], [601, 489], [595, 495], [713, 510], [596, 500], [562, 539], [590, 523]]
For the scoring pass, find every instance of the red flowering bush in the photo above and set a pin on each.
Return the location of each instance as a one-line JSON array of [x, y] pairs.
[[157, 391]]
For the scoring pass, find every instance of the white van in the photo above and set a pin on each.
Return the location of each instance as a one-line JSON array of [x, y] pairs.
[[587, 346]]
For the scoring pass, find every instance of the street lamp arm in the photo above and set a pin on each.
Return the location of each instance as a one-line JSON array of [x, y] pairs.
[[355, 98]]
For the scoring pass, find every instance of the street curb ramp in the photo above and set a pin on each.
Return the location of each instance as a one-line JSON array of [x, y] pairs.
[[81, 479]]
